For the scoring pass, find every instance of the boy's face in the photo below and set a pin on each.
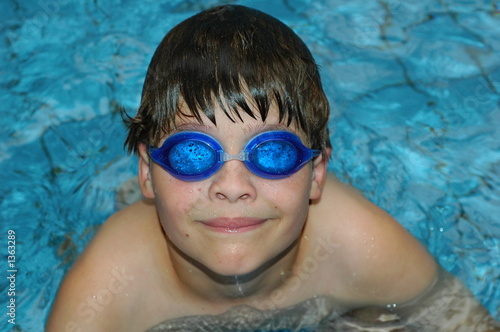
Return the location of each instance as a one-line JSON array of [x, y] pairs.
[[234, 221]]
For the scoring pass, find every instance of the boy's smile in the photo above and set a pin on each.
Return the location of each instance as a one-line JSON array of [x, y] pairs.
[[233, 222], [233, 225]]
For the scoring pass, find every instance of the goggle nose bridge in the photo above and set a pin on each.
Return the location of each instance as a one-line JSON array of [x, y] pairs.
[[224, 156]]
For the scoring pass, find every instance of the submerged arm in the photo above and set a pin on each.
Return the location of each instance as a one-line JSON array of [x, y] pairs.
[[447, 306]]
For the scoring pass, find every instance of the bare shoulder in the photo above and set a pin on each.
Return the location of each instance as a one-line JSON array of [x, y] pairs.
[[376, 260], [105, 279]]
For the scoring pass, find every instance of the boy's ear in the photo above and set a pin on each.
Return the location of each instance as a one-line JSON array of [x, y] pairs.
[[319, 174], [145, 181]]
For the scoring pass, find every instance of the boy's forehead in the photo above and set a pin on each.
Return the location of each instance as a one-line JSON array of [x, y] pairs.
[[186, 120], [225, 115]]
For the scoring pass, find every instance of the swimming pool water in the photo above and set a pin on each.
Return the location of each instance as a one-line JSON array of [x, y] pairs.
[[414, 88]]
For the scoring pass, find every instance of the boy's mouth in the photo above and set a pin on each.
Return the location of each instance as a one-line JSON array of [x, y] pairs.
[[233, 225]]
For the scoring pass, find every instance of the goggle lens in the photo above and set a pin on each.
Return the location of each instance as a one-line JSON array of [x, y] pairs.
[[191, 157], [274, 156]]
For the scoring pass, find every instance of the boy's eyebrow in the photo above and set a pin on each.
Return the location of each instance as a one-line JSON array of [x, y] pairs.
[[191, 126], [261, 127], [251, 129]]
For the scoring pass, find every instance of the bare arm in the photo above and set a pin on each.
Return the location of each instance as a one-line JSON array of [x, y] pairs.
[[94, 295], [393, 270]]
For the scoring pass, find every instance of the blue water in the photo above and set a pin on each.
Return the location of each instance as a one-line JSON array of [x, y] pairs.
[[414, 87]]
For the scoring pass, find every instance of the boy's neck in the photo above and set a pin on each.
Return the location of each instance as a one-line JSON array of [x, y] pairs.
[[248, 288]]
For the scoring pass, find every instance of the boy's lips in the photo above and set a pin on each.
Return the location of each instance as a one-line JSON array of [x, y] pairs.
[[233, 225]]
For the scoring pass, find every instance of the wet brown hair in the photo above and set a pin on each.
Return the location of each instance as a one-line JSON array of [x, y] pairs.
[[222, 56]]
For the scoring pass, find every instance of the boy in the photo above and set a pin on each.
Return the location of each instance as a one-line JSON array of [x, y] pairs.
[[241, 228]]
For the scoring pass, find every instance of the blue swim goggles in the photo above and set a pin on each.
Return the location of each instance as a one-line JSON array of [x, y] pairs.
[[194, 156]]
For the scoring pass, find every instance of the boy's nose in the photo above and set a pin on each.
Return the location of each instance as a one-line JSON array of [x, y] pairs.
[[233, 182]]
